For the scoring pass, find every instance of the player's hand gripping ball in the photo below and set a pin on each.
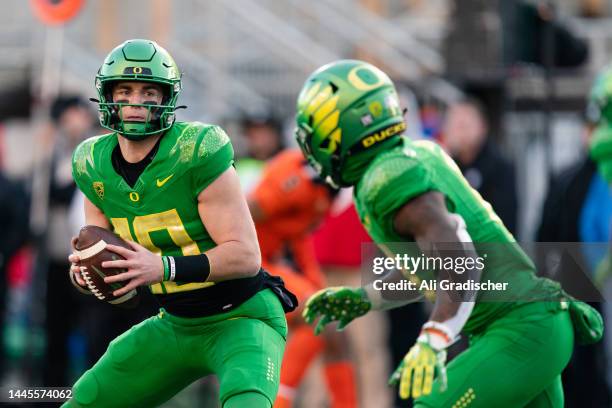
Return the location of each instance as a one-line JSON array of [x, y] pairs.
[[91, 248], [339, 303]]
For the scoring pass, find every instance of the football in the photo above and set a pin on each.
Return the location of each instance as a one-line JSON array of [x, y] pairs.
[[91, 249]]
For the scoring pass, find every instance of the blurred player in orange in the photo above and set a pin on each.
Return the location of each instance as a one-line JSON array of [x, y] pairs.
[[287, 204]]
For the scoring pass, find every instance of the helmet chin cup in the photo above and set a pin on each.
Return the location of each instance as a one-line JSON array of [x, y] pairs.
[[135, 130]]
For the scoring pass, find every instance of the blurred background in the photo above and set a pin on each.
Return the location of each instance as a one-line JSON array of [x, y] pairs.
[[502, 84]]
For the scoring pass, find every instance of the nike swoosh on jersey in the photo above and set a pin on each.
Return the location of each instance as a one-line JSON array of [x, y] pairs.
[[162, 182]]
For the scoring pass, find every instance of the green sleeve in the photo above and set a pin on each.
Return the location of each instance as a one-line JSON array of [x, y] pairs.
[[215, 155], [392, 183]]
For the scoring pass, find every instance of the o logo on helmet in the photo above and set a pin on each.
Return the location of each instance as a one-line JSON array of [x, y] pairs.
[[134, 196], [137, 70], [364, 79]]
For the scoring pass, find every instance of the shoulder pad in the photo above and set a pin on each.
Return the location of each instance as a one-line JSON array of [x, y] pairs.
[[212, 140], [200, 138], [388, 167], [83, 156]]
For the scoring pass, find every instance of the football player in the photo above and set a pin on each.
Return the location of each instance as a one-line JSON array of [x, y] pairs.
[[287, 204], [350, 126], [169, 189]]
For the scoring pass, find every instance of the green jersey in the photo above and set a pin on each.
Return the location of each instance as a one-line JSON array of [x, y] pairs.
[[161, 210], [416, 167]]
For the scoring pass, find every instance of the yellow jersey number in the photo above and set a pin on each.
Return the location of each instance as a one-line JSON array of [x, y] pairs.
[[167, 220]]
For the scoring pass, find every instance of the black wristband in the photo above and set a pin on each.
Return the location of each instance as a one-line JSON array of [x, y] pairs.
[[194, 268]]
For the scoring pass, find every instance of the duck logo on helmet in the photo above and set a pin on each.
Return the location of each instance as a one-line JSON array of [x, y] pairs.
[[325, 116]]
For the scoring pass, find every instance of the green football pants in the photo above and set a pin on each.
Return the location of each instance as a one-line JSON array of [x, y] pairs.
[[516, 362], [157, 358]]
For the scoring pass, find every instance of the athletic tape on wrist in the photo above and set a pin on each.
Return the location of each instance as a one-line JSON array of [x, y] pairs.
[[172, 268], [166, 269], [439, 335]]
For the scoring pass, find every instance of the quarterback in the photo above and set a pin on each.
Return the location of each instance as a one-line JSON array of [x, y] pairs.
[[169, 189], [349, 126]]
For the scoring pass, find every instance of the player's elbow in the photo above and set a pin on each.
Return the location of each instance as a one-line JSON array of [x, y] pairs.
[[250, 259], [255, 260]]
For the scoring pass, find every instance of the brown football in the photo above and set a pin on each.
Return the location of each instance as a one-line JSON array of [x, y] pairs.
[[91, 249]]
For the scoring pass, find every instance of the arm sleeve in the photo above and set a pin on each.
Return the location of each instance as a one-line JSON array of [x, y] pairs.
[[215, 155]]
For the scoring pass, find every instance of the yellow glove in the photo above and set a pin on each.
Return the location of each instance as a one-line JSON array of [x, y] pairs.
[[417, 370]]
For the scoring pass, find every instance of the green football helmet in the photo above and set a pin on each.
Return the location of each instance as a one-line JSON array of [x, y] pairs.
[[138, 60], [599, 106], [347, 112]]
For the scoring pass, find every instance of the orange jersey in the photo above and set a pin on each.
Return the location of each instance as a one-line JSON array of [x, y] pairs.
[[291, 205]]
